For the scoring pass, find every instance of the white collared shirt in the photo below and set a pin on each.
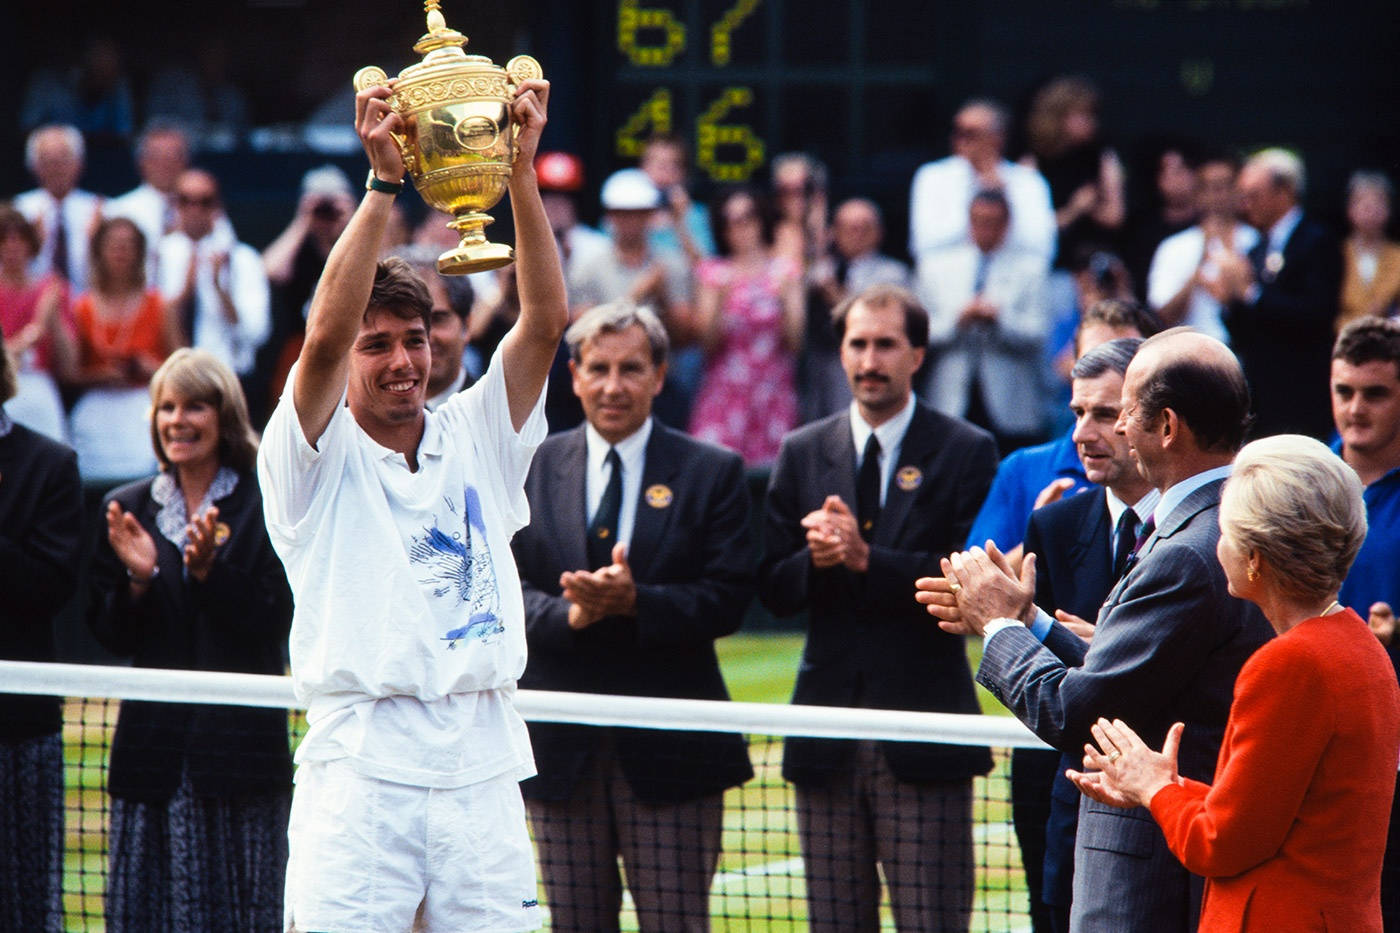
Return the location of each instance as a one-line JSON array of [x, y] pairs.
[[1175, 495], [632, 450], [891, 438], [1283, 229], [1116, 506], [242, 277]]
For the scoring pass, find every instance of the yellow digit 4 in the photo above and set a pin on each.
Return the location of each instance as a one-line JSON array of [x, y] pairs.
[[655, 112]]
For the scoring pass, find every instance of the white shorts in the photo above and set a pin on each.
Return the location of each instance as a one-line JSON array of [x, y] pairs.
[[372, 856]]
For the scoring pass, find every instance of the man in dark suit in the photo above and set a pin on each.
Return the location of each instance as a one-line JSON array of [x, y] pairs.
[[1169, 640], [1082, 545], [636, 559], [859, 505], [41, 524], [1279, 302]]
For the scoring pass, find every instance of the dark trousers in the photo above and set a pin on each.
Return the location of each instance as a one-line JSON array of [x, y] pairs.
[[669, 852], [1032, 774], [866, 821]]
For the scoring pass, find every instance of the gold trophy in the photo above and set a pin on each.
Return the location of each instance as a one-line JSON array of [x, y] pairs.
[[458, 143]]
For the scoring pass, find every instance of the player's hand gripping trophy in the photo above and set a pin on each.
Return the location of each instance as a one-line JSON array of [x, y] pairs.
[[458, 143]]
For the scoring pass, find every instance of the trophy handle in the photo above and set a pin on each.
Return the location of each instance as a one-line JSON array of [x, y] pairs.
[[374, 76], [519, 69]]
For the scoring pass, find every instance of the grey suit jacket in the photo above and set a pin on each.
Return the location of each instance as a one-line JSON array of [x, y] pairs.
[[1168, 645]]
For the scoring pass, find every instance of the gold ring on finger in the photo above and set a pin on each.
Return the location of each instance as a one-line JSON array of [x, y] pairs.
[[955, 588]]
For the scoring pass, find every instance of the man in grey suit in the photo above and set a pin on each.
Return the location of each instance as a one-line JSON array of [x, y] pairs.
[[987, 322], [1169, 641]]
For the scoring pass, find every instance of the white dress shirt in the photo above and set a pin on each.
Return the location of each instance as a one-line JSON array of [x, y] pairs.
[[891, 438], [943, 190], [1174, 263], [242, 277], [79, 210], [632, 451]]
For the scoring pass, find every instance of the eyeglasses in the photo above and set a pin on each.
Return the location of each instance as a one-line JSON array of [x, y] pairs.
[[208, 201], [969, 132]]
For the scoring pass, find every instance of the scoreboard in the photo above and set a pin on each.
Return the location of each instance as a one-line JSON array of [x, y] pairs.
[[742, 80]]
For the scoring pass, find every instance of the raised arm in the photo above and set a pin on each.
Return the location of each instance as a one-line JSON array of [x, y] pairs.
[[343, 292], [530, 345]]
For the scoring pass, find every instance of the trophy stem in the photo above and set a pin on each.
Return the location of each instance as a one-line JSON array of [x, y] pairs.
[[473, 253]]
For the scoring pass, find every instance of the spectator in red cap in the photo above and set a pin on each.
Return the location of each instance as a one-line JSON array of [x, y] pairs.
[[561, 179]]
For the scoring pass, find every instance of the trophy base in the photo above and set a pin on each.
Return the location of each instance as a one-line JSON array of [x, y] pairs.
[[478, 257]]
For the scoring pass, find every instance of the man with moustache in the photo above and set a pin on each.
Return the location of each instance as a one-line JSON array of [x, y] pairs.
[[859, 504], [1169, 641], [637, 558], [1081, 544]]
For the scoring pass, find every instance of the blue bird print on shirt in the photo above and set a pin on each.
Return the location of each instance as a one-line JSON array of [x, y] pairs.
[[459, 568]]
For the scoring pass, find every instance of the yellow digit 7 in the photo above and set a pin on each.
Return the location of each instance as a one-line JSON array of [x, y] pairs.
[[722, 30], [631, 18], [655, 112], [711, 134]]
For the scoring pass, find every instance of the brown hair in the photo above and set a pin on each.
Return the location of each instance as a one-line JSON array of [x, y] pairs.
[[400, 291], [12, 221], [8, 382], [1050, 106], [200, 376], [101, 275], [885, 296]]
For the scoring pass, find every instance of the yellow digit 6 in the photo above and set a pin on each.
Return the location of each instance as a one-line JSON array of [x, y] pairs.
[[631, 18], [711, 134]]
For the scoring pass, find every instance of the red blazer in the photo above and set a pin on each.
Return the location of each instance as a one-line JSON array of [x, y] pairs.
[[1291, 834]]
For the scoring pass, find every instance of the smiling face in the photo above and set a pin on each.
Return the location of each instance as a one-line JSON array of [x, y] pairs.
[[1096, 404], [1366, 406], [879, 360], [389, 366], [187, 429], [616, 380]]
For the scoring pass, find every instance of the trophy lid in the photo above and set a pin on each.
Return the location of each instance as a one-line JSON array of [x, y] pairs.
[[438, 35]]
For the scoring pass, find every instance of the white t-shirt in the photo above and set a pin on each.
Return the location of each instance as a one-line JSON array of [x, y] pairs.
[[1175, 262], [409, 631]]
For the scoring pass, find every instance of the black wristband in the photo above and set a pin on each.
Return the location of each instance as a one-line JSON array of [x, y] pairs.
[[375, 183]]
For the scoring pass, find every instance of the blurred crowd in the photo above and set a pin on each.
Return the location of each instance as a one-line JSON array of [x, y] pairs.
[[95, 292]]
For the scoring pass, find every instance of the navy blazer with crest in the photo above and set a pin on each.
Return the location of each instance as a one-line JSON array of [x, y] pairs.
[[869, 643], [1284, 339], [691, 555]]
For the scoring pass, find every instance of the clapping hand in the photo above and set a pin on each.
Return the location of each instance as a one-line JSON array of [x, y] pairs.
[[1123, 771], [133, 546], [201, 542], [596, 594]]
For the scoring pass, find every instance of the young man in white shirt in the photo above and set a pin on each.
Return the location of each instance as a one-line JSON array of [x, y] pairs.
[[394, 525]]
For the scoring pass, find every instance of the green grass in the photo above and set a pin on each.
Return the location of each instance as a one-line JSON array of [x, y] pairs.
[[759, 885], [761, 667]]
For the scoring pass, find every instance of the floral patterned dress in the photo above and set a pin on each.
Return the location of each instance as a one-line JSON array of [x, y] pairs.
[[748, 395]]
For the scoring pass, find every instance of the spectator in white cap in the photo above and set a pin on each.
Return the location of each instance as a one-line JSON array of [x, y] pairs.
[[636, 270]]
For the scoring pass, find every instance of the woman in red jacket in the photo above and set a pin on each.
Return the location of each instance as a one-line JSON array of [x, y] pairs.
[[1291, 834]]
